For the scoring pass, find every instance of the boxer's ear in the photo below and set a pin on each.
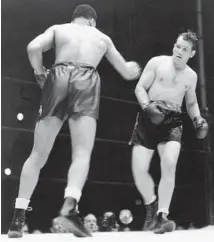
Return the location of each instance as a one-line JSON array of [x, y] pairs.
[[92, 22], [193, 53]]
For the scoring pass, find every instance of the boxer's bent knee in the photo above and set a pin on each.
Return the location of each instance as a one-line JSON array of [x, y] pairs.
[[141, 158], [168, 167]]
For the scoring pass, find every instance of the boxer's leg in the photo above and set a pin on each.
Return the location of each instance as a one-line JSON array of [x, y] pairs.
[[44, 136], [169, 153], [141, 158], [83, 100], [83, 131], [51, 115]]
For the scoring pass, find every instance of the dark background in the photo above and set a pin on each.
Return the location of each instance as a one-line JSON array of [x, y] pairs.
[[140, 29]]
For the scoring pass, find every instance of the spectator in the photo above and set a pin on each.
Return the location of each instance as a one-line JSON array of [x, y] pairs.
[[90, 223], [108, 222], [126, 218]]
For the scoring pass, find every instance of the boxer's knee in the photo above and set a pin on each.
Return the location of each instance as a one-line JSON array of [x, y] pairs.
[[168, 168], [141, 159]]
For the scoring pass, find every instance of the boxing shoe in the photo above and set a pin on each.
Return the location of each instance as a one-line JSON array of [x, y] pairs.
[[18, 223], [150, 220], [69, 221], [164, 224]]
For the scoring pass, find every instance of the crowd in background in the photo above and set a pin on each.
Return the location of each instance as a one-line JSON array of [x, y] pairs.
[[108, 222]]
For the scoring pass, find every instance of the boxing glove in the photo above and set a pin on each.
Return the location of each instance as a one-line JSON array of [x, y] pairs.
[[154, 113], [134, 70], [201, 127], [41, 78], [161, 112]]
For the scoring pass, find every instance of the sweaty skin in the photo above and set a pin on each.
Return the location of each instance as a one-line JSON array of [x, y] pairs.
[[169, 78], [80, 43], [72, 36]]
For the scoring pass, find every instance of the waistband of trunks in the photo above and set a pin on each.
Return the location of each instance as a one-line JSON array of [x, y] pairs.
[[169, 105], [72, 63]]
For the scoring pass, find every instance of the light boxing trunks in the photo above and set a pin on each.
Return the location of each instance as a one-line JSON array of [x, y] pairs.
[[71, 90]]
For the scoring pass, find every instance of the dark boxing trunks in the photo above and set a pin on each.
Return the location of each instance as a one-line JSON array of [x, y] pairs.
[[71, 90], [149, 135]]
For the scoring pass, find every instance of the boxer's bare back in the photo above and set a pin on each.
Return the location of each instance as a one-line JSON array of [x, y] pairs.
[[78, 43], [81, 43]]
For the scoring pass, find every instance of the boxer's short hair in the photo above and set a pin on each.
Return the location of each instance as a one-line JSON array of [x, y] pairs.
[[84, 11], [191, 37]]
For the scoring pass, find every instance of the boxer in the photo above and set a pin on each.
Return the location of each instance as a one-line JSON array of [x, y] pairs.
[[164, 83], [70, 91]]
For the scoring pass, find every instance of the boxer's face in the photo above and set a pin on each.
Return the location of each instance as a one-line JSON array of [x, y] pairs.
[[182, 51]]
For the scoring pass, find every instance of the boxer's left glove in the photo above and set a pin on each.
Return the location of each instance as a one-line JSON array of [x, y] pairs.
[[160, 113], [154, 113], [201, 127], [172, 114], [42, 78]]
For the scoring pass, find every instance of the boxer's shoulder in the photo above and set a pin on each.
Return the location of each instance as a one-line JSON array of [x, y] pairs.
[[191, 73], [191, 76], [59, 27], [158, 60]]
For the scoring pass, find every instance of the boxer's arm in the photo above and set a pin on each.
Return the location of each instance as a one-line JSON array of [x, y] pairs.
[[145, 82], [191, 99], [37, 46], [117, 60]]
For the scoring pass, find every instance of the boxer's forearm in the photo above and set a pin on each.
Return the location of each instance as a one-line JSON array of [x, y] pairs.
[[119, 63], [121, 67], [193, 110], [141, 96], [36, 59]]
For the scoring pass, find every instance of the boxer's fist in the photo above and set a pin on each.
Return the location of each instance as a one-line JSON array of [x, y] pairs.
[[134, 70], [41, 78], [201, 127], [155, 114]]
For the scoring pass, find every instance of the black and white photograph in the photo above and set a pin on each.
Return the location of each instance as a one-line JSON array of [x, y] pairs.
[[107, 120]]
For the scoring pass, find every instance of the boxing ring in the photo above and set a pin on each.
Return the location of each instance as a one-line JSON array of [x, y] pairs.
[[197, 235]]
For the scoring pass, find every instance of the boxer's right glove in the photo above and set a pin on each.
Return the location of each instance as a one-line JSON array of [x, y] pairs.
[[134, 70], [154, 113], [42, 78], [201, 127]]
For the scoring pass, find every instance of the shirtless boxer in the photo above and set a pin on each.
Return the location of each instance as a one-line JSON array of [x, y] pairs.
[[165, 81], [71, 90]]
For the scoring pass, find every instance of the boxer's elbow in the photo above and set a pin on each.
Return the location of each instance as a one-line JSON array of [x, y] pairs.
[[138, 93], [33, 47], [138, 90], [191, 105]]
